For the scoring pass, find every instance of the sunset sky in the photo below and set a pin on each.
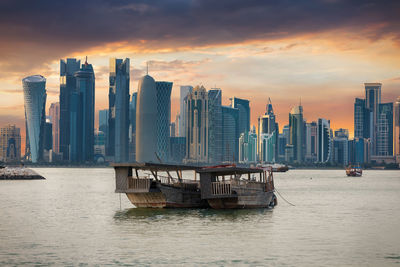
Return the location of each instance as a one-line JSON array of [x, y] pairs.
[[320, 51]]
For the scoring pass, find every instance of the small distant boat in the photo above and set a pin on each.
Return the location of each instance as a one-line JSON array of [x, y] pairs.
[[281, 169], [275, 167], [354, 171]]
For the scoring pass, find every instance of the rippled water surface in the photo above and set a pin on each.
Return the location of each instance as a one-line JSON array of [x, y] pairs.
[[74, 217]]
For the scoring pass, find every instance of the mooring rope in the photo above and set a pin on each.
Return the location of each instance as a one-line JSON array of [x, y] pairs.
[[284, 198]]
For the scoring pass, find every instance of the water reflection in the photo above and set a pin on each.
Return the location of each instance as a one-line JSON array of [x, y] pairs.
[[212, 214]]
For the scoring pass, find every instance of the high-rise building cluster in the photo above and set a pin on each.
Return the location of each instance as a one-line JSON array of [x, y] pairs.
[[137, 126], [375, 135]]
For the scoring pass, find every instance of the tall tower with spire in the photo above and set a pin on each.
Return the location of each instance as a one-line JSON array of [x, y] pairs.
[[268, 135]]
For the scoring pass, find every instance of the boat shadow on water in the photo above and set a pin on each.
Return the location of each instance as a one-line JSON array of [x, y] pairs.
[[210, 214]]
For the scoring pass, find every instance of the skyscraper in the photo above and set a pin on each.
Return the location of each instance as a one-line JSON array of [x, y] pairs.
[[286, 132], [48, 135], [82, 103], [296, 136], [268, 135], [215, 138], [163, 90], [197, 125], [178, 149], [35, 114], [243, 105], [146, 120], [340, 147], [132, 112], [54, 113], [67, 87], [281, 147], [384, 146], [230, 134], [311, 141], [10, 143], [118, 115], [99, 145], [324, 141], [248, 147], [372, 101], [267, 144], [185, 90], [359, 151], [132, 127], [103, 121], [363, 123], [396, 130]]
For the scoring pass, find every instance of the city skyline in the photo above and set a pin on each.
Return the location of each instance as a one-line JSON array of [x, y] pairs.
[[226, 100], [325, 59], [213, 131]]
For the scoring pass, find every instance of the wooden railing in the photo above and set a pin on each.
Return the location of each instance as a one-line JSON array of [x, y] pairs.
[[220, 188], [248, 184], [184, 183], [139, 184]]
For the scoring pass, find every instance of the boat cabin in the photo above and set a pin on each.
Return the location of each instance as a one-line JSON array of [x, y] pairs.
[[237, 187], [158, 185], [132, 178]]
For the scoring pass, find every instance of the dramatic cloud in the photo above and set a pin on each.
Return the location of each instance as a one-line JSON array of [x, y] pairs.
[[39, 31], [320, 50]]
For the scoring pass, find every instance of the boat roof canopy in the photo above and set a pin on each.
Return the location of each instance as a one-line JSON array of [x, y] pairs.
[[156, 166], [230, 170]]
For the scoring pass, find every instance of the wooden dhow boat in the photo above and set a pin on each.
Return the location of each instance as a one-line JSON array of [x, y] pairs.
[[354, 171], [231, 187], [154, 190]]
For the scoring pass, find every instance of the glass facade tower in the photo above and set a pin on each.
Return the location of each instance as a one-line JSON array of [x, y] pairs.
[[146, 120], [197, 125], [372, 101], [230, 134], [248, 147], [385, 130], [268, 130], [163, 91], [181, 125], [244, 113], [323, 141], [54, 113], [82, 115], [215, 126], [296, 135], [67, 88], [35, 115], [118, 115], [362, 119]]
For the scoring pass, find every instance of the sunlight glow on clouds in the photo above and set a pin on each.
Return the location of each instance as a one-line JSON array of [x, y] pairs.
[[319, 51]]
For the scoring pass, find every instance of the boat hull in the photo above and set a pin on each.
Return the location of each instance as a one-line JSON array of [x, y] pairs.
[[168, 196], [352, 173], [248, 201]]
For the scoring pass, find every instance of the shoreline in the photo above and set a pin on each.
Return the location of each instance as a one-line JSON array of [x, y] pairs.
[[19, 173], [105, 167]]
